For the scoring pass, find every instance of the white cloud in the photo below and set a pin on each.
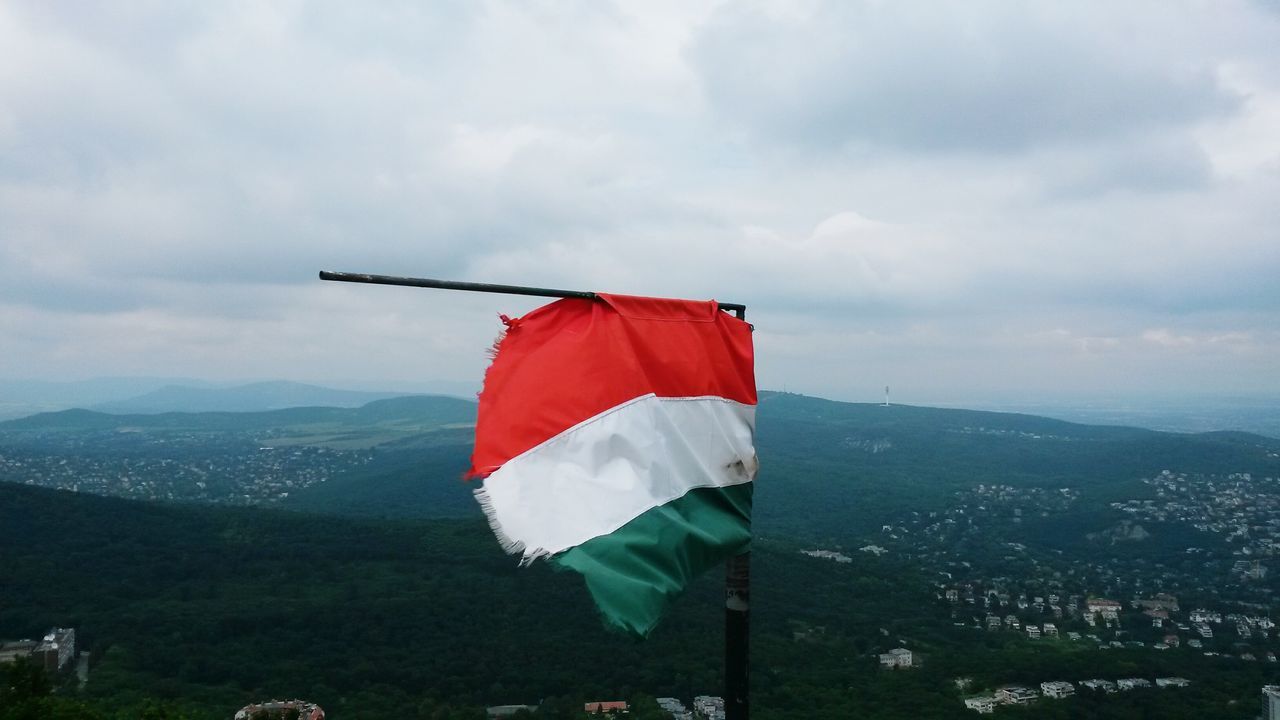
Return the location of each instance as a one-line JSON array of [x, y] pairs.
[[979, 76], [960, 196]]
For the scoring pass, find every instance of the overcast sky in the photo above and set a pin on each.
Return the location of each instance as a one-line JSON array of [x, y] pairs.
[[967, 201]]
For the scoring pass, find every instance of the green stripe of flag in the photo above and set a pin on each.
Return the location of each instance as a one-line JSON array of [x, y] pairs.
[[636, 571]]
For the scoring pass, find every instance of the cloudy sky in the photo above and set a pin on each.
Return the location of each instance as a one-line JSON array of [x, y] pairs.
[[964, 201]]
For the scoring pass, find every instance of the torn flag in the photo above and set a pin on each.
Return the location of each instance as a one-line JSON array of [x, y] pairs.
[[616, 438]]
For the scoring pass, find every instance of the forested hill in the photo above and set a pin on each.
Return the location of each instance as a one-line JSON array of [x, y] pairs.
[[409, 608], [852, 467], [830, 470], [209, 608], [191, 612]]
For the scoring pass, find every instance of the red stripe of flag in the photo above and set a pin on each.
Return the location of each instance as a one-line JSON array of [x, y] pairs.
[[573, 359]]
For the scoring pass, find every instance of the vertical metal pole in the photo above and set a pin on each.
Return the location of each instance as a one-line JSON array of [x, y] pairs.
[[737, 625], [737, 604]]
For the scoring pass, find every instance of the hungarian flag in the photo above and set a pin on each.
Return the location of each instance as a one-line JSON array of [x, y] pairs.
[[616, 438]]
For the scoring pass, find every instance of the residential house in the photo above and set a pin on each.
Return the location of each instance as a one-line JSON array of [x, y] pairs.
[[1057, 689], [1015, 695], [983, 704], [1103, 685], [502, 711], [896, 658]]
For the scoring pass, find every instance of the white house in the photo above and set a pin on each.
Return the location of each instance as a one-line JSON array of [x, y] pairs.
[[1057, 689], [983, 704], [1015, 695], [896, 658], [1104, 685]]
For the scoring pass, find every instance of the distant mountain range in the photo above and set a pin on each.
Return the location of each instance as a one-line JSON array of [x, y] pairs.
[[19, 398], [254, 397], [143, 395], [408, 414], [828, 468], [122, 396]]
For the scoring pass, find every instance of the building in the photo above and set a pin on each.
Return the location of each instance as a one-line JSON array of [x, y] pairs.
[[1205, 616], [1057, 689], [276, 709], [1050, 630], [896, 658], [1132, 683], [502, 711], [709, 706], [1271, 702], [1015, 695], [983, 704], [675, 708], [1172, 682], [56, 650], [607, 707], [1106, 607], [1103, 685]]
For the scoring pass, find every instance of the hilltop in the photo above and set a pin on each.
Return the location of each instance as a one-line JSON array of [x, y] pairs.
[[253, 397], [403, 415], [830, 469]]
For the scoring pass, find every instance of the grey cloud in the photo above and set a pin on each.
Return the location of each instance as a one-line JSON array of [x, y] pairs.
[[983, 77], [1018, 190], [1144, 165]]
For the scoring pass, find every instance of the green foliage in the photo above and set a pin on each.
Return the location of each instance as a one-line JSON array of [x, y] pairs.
[[193, 612]]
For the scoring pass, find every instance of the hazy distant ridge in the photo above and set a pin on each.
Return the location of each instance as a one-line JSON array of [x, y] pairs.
[[427, 410], [254, 397]]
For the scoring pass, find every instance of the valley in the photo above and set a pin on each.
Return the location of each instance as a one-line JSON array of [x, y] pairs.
[[335, 554]]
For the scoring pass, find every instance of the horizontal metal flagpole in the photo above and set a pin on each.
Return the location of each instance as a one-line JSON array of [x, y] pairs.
[[736, 308]]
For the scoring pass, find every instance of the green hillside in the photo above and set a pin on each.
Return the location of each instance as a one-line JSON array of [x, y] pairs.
[[209, 608], [834, 470], [377, 422], [370, 607], [848, 468], [830, 470], [194, 611]]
